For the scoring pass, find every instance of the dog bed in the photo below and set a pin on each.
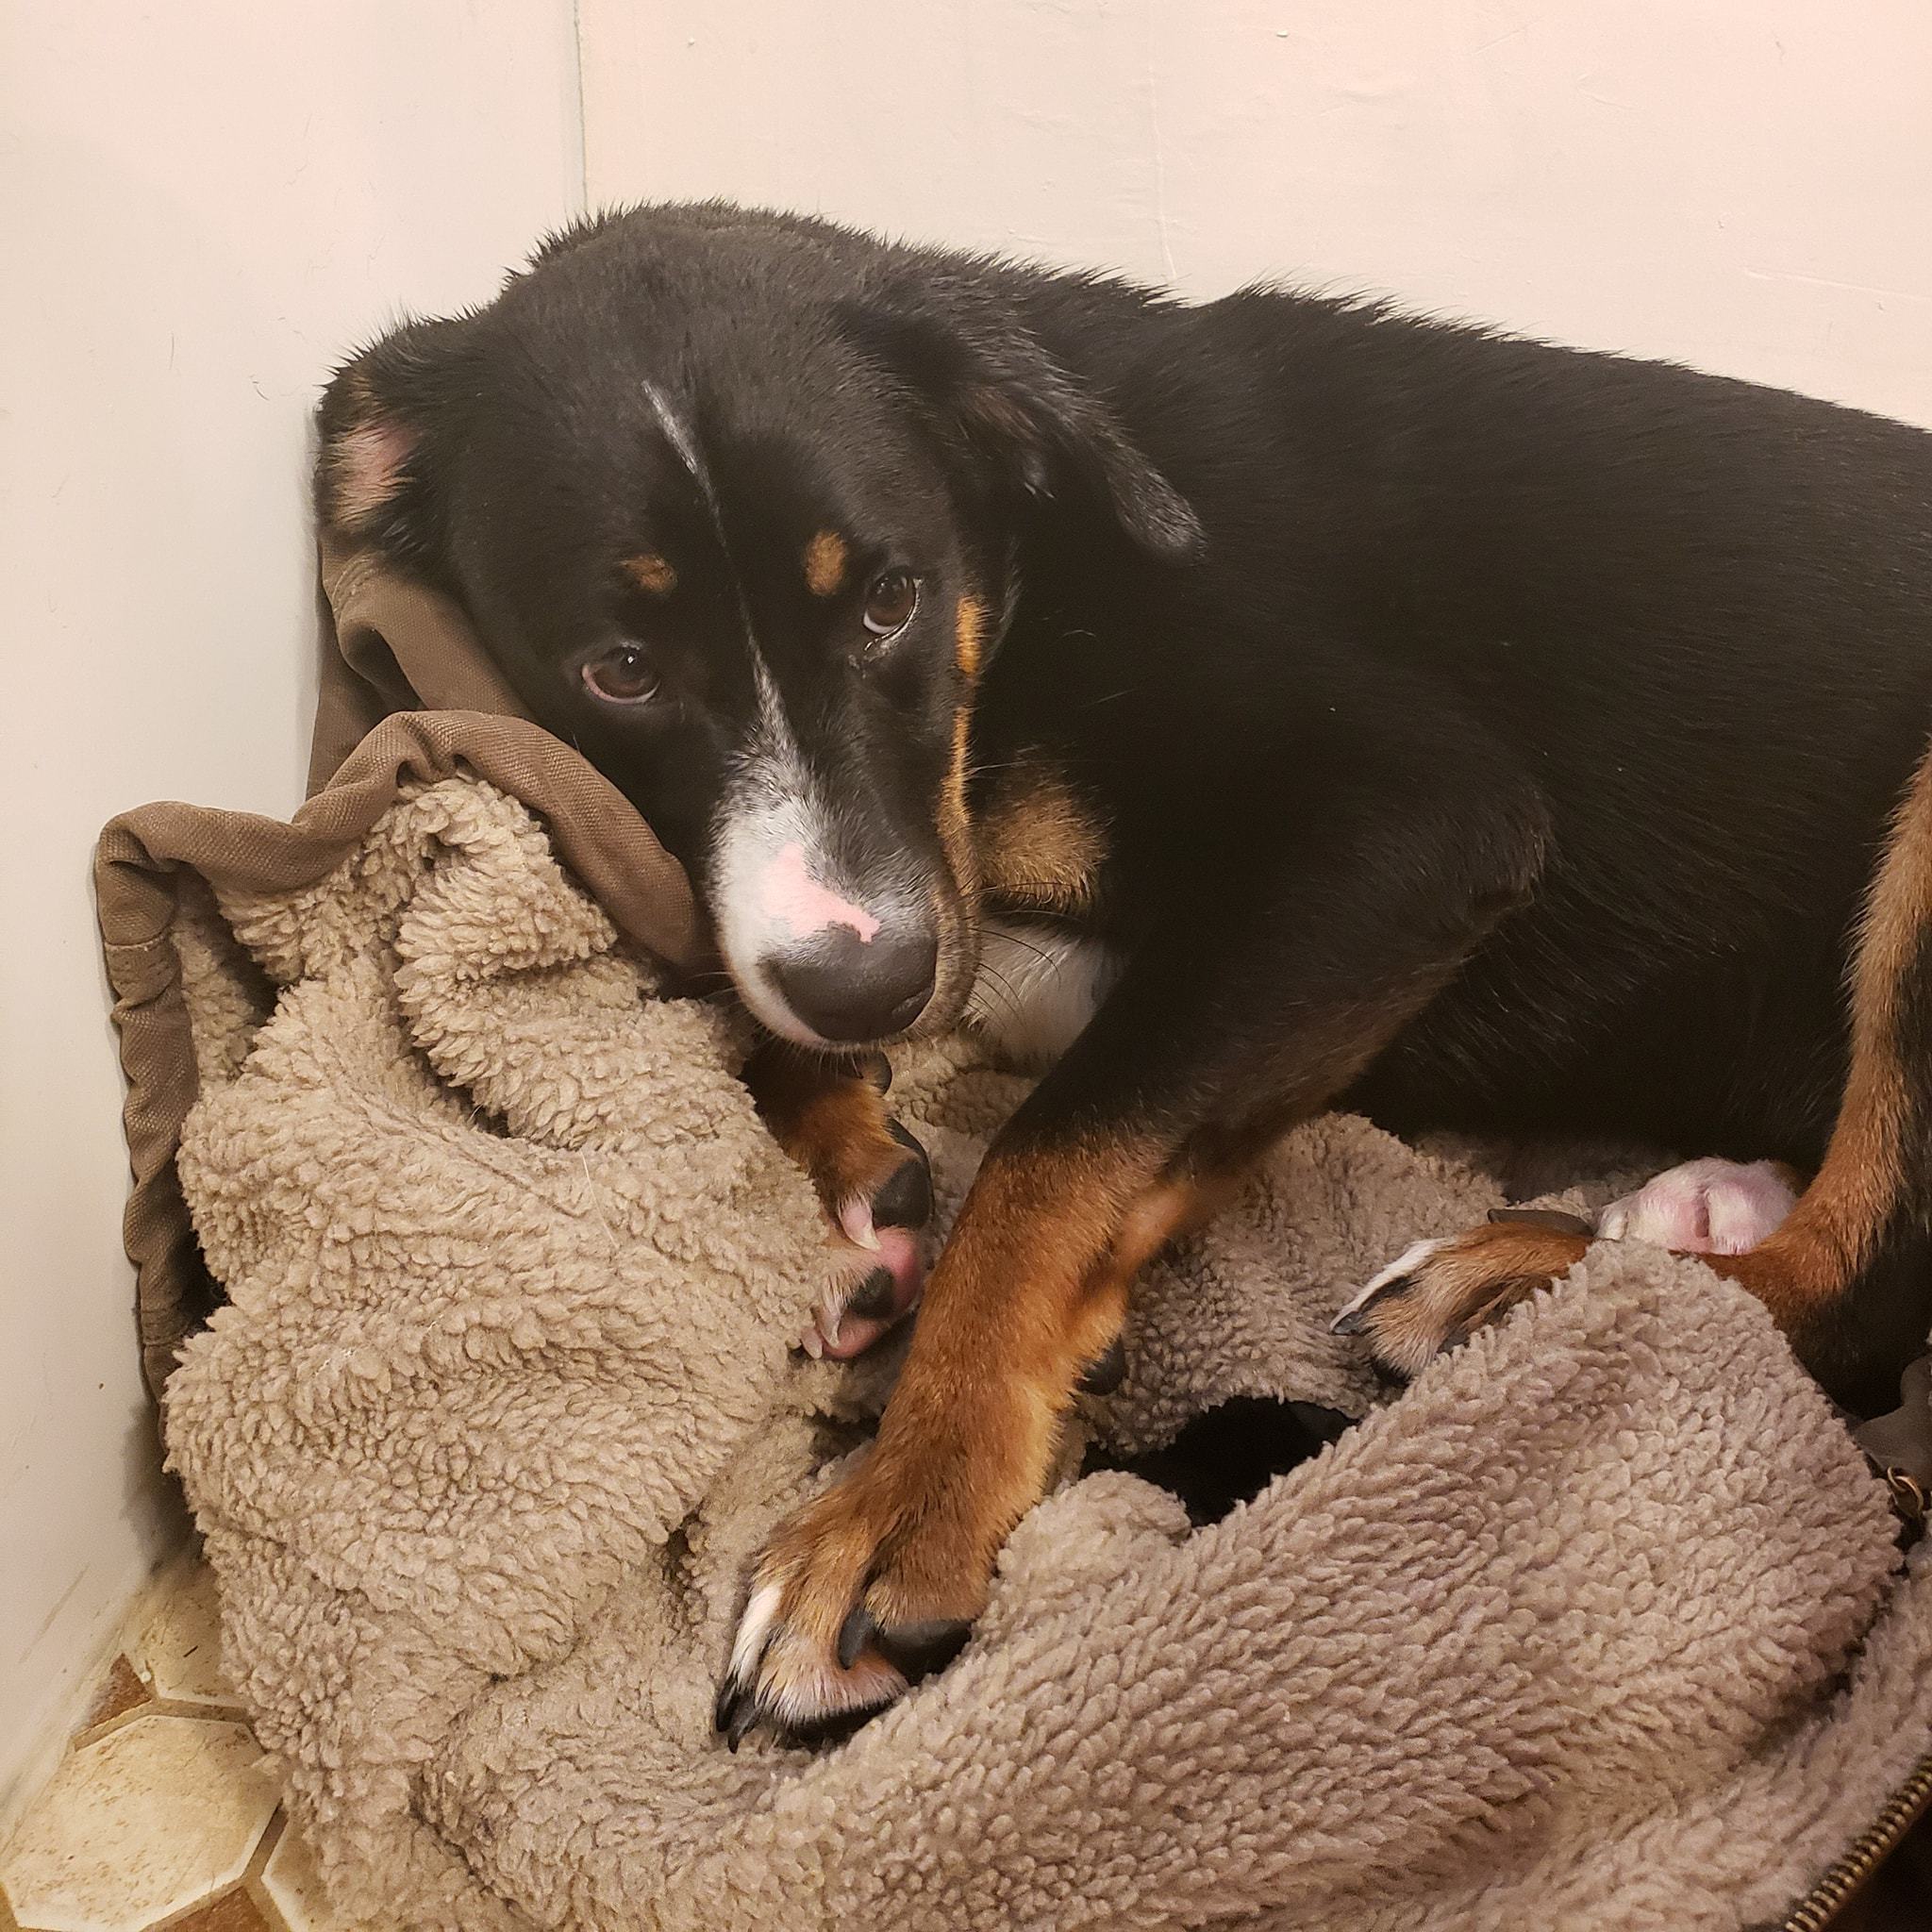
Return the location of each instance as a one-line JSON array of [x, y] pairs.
[[1603, 1623]]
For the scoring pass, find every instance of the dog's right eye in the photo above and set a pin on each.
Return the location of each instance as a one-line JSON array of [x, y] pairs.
[[621, 675], [890, 602]]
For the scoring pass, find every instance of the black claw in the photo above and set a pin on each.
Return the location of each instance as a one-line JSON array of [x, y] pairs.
[[876, 1071], [873, 1300], [917, 1650], [1106, 1371], [743, 1720], [729, 1692], [1357, 1319], [1551, 1219], [906, 1200], [854, 1633]]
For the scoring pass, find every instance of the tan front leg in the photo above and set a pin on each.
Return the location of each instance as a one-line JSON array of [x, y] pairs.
[[878, 1580]]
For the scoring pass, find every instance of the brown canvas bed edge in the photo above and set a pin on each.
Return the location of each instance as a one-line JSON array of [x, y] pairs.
[[407, 697]]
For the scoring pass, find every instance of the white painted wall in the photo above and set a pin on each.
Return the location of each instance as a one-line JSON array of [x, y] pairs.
[[202, 203], [1741, 184]]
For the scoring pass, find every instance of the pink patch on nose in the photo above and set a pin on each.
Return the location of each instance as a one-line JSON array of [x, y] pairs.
[[789, 894]]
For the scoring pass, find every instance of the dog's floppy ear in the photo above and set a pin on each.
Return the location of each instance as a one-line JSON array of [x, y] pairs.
[[387, 423], [989, 383]]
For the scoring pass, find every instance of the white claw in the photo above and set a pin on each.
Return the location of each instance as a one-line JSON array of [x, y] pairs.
[[854, 1217], [812, 1342]]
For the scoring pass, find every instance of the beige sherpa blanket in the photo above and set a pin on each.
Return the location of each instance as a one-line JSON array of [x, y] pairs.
[[1600, 1625]]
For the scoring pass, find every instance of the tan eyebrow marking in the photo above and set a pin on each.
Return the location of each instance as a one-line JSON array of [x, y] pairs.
[[825, 563], [651, 573], [969, 628]]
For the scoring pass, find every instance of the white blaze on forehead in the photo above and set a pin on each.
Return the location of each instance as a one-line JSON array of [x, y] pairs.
[[678, 434], [684, 442], [773, 876]]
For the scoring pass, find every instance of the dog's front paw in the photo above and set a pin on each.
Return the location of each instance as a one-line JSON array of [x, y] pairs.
[[861, 1594], [1437, 1293], [873, 1181]]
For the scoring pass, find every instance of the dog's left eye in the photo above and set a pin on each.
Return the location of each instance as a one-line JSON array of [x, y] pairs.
[[622, 675], [890, 602]]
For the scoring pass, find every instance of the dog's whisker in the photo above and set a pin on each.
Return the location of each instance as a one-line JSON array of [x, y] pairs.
[[1009, 936], [1012, 1002]]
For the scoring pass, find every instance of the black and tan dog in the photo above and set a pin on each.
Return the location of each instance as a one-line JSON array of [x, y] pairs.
[[1247, 708]]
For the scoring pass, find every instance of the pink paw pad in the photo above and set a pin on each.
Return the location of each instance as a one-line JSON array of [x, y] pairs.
[[873, 1289], [1704, 1207]]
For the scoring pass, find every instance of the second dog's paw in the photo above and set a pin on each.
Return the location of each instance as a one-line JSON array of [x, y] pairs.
[[1437, 1293]]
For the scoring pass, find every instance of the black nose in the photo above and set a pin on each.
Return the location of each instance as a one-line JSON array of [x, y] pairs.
[[844, 987]]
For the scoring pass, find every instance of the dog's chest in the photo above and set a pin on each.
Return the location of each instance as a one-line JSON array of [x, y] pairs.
[[1037, 986]]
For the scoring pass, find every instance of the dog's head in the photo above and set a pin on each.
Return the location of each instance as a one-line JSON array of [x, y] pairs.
[[735, 502]]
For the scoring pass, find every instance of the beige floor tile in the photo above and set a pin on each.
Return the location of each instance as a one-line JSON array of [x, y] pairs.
[[121, 1690], [151, 1820], [181, 1650], [291, 1879], [233, 1912]]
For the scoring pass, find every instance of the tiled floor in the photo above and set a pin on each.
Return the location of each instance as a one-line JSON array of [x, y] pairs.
[[161, 1820], [160, 1815]]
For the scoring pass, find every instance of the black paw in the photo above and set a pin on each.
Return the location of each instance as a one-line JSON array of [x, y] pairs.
[[1231, 1452]]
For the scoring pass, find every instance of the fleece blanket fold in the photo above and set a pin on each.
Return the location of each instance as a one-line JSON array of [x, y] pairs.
[[1601, 1624], [407, 694]]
